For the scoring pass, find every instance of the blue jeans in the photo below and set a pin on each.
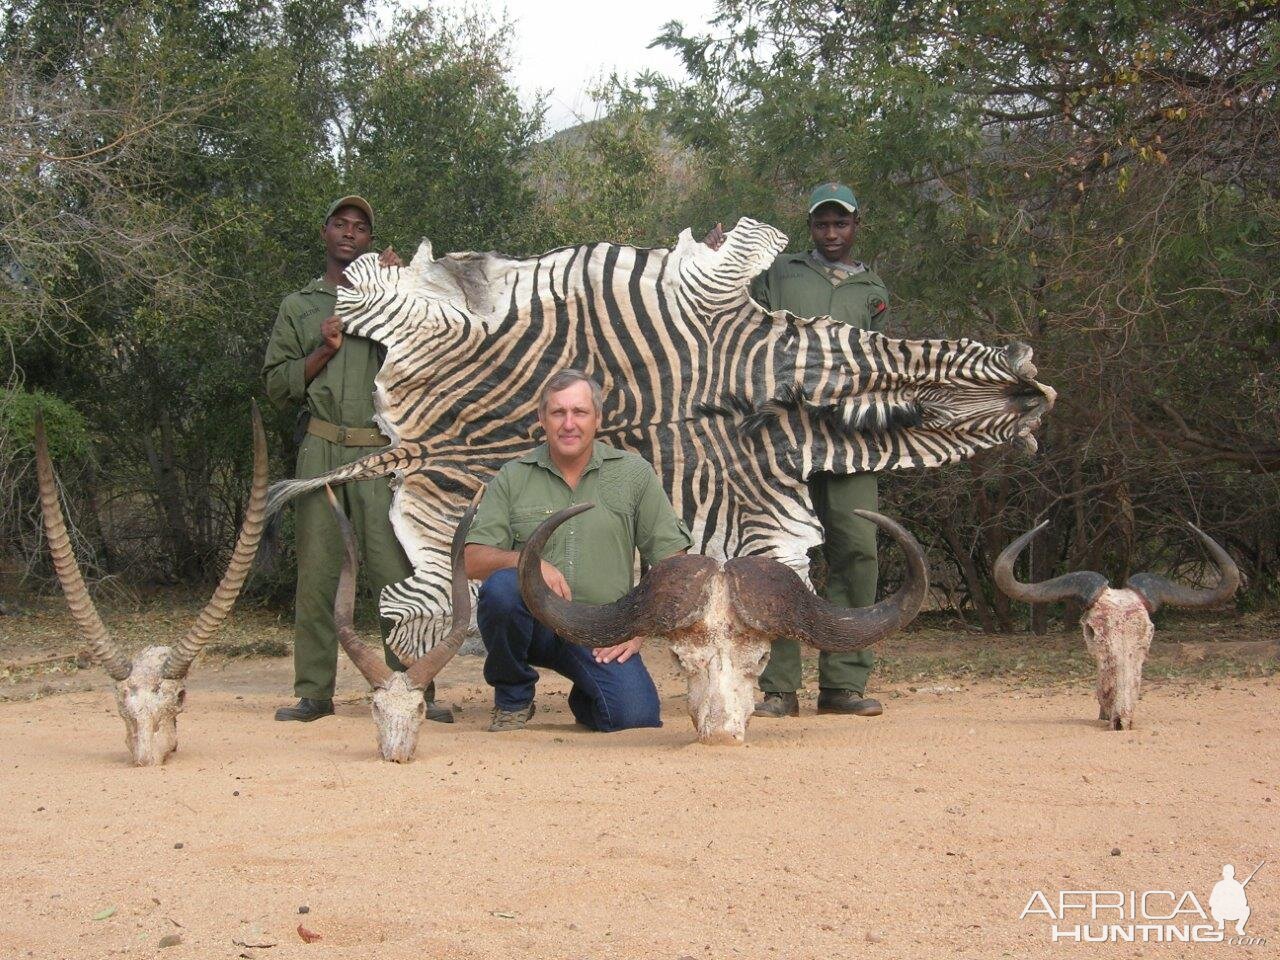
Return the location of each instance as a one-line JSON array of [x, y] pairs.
[[605, 696]]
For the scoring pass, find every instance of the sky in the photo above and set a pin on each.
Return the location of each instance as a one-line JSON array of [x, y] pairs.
[[563, 47]]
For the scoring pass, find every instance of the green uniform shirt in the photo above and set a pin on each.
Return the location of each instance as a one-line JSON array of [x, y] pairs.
[[594, 550], [796, 283], [342, 392]]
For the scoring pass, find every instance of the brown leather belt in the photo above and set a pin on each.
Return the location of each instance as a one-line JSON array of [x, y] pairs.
[[347, 436]]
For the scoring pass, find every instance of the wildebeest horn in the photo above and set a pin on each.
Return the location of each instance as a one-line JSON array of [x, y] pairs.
[[423, 670], [1155, 590], [362, 655], [669, 597], [1083, 585], [64, 563], [772, 598], [224, 598]]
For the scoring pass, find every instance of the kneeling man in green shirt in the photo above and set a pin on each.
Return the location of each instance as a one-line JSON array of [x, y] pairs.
[[590, 558]]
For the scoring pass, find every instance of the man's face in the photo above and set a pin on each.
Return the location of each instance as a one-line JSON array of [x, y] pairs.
[[832, 228], [347, 234], [570, 420]]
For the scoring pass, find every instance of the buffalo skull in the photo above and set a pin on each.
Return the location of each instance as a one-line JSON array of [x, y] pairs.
[[1117, 623], [398, 707], [721, 620], [150, 687]]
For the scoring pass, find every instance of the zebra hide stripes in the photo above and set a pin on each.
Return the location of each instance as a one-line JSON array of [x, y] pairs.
[[735, 407]]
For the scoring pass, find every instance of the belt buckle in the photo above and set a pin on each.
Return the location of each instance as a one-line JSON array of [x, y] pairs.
[[342, 434]]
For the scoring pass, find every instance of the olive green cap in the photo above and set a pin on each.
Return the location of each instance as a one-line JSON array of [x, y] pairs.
[[360, 203], [836, 193]]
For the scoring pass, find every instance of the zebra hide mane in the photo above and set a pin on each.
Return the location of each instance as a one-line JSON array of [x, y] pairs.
[[867, 418]]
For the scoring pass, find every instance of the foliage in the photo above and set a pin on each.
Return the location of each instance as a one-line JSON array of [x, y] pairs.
[[65, 428]]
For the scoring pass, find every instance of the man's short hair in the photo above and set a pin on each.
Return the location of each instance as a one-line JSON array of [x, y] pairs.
[[567, 378]]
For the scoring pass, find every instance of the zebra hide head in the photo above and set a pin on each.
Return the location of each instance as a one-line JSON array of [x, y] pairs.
[[735, 407], [720, 620], [150, 686], [1117, 623]]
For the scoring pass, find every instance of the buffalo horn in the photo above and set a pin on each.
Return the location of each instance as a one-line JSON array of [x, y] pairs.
[[772, 598], [669, 597]]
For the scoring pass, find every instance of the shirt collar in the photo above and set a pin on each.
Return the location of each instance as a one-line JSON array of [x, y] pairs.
[[320, 285], [541, 456], [860, 272]]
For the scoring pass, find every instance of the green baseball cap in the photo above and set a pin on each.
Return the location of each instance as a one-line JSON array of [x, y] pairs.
[[836, 193], [360, 203]]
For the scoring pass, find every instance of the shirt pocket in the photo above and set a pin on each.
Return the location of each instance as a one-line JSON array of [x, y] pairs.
[[525, 521]]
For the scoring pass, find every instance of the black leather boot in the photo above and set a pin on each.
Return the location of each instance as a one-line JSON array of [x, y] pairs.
[[778, 705], [439, 712], [306, 710], [848, 701]]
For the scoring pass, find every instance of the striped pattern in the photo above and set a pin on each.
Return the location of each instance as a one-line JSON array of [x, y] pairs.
[[734, 406]]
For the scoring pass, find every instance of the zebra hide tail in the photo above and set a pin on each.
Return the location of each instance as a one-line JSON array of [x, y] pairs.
[[366, 468]]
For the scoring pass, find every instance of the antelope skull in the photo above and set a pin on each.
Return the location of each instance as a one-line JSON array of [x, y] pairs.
[[1117, 623], [721, 620], [398, 707], [150, 687]]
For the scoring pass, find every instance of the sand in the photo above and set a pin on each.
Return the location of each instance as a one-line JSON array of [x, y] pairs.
[[922, 833]]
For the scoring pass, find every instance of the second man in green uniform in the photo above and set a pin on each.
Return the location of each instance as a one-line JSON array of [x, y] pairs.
[[827, 282]]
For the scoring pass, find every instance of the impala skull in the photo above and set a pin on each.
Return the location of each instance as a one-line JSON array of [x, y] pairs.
[[1117, 623], [150, 687], [720, 621], [398, 707]]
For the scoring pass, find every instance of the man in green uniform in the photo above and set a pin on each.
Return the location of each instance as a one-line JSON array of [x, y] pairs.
[[310, 361], [827, 282], [590, 558]]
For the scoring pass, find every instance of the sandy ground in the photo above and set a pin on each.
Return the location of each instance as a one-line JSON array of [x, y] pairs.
[[922, 833]]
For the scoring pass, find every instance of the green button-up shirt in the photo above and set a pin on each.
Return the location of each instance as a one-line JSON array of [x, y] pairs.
[[794, 282], [594, 550], [342, 392]]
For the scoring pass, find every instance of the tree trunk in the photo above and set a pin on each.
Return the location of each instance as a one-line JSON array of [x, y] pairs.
[[964, 560], [169, 494]]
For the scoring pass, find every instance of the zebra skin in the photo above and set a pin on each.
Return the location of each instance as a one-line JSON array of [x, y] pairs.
[[734, 406]]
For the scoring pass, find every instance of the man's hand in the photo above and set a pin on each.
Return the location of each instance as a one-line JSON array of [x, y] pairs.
[[622, 652], [556, 581], [389, 258], [331, 330], [715, 238]]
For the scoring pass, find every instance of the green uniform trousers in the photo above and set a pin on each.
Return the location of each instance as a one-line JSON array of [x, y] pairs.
[[320, 551], [852, 569]]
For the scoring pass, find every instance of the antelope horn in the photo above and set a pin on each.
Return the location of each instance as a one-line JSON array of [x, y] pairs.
[[64, 562], [669, 597], [772, 598], [423, 670], [224, 598], [362, 655], [1155, 590], [1083, 585]]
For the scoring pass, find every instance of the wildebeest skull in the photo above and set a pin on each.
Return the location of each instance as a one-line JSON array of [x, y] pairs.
[[398, 707], [720, 621], [1117, 623], [150, 690]]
